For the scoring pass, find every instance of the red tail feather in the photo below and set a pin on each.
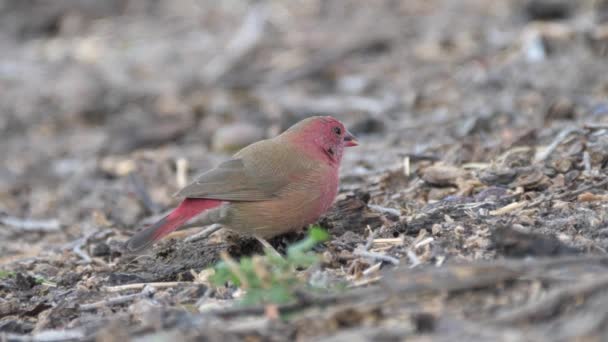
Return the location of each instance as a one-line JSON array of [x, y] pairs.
[[189, 208]]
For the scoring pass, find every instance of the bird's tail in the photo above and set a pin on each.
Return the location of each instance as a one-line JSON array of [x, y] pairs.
[[189, 208]]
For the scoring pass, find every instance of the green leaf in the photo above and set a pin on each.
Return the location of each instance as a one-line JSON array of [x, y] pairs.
[[318, 234], [6, 274], [280, 295], [282, 278]]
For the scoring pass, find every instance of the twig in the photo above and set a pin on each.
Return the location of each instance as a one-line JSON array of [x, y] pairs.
[[46, 336], [568, 193], [205, 233], [413, 258], [475, 166], [245, 39], [142, 193], [138, 286], [407, 166], [78, 244], [508, 208], [268, 246], [391, 241], [29, 225], [587, 162], [583, 189], [551, 303], [596, 126], [181, 172], [376, 256], [542, 156], [304, 300], [424, 242], [147, 292], [384, 210], [370, 239], [86, 259], [365, 281], [372, 269]]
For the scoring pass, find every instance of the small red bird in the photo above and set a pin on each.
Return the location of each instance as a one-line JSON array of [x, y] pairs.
[[268, 188]]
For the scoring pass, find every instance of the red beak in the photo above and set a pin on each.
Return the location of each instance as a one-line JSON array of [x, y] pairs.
[[350, 140]]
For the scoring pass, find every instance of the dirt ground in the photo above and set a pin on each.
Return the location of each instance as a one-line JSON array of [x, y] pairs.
[[475, 207]]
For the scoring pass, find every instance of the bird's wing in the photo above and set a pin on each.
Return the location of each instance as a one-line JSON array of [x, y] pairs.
[[257, 173]]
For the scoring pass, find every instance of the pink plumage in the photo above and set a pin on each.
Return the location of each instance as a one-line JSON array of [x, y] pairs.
[[268, 188]]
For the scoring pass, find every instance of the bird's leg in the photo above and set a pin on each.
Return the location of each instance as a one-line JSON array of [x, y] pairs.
[[268, 246]]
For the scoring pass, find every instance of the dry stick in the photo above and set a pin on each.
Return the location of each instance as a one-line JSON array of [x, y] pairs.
[[366, 281], [138, 286], [424, 242], [181, 172], [551, 303], [142, 193], [46, 336], [508, 208], [545, 264], [381, 296], [390, 241], [372, 269], [147, 292], [555, 143], [268, 246], [583, 189], [29, 225], [370, 239], [304, 300], [567, 194], [591, 125], [376, 256], [384, 210], [413, 258], [78, 244], [86, 259], [205, 233], [245, 39], [77, 248], [587, 162], [407, 165]]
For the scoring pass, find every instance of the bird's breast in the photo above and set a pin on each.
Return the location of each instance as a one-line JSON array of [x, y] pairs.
[[301, 202]]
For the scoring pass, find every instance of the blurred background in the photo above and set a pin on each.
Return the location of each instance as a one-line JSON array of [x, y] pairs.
[[101, 98], [483, 128]]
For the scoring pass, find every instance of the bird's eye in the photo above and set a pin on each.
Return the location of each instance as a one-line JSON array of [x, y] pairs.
[[338, 130]]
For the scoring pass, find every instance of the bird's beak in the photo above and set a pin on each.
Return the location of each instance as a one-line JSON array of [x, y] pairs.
[[350, 139]]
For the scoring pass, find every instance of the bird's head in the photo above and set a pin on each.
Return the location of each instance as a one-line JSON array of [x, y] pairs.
[[322, 135]]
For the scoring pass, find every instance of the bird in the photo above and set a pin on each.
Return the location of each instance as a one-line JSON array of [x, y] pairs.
[[268, 188]]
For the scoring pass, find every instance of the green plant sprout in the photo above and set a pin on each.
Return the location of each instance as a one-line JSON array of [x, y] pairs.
[[270, 278], [6, 274]]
